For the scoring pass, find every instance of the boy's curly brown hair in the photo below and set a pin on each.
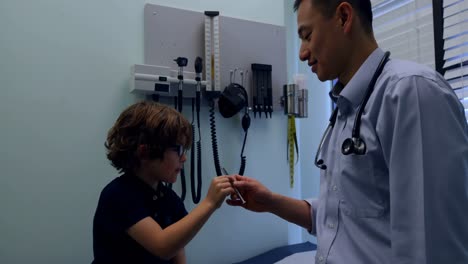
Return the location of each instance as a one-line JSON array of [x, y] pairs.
[[145, 123]]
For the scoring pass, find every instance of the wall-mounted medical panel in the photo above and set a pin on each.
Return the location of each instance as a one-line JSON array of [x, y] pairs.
[[171, 33]]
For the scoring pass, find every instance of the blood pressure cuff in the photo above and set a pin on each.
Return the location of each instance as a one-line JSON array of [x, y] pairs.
[[232, 100]]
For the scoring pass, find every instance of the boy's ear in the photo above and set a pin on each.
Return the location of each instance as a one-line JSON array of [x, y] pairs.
[[142, 152]]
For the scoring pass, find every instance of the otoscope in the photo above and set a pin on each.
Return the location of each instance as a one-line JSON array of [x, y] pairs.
[[196, 194], [181, 62]]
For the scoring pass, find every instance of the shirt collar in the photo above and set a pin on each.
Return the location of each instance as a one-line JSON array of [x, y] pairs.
[[351, 95], [146, 189], [335, 92]]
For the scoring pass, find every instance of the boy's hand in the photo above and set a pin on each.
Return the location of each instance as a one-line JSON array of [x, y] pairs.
[[220, 188]]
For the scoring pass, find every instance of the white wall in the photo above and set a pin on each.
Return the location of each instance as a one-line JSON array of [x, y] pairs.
[[265, 11], [64, 70], [309, 129]]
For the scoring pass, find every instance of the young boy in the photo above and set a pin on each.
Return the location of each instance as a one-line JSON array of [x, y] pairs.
[[138, 219]]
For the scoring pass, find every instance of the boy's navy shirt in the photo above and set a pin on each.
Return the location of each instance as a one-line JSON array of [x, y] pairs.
[[124, 202]]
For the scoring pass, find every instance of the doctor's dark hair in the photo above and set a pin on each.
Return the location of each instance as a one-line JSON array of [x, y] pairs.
[[328, 7], [145, 123]]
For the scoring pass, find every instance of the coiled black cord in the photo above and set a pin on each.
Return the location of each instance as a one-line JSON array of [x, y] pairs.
[[246, 120], [245, 126], [243, 158], [196, 195], [214, 142], [179, 99], [182, 181]]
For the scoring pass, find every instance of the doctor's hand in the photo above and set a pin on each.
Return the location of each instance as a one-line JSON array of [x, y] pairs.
[[258, 198]]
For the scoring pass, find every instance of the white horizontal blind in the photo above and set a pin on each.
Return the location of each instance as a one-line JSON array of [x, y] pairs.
[[405, 28], [456, 48]]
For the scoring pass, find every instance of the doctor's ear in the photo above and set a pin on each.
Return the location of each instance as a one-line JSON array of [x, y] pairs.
[[345, 14]]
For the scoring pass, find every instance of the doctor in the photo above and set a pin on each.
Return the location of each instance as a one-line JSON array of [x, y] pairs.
[[394, 160]]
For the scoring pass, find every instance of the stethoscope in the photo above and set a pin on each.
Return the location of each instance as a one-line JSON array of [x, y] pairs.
[[355, 144]]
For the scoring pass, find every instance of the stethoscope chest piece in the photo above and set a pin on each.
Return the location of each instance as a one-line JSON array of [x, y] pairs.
[[353, 146]]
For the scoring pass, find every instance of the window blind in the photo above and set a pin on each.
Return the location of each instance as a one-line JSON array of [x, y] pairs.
[[405, 28], [455, 35]]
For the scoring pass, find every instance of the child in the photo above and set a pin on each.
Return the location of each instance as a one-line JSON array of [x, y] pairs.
[[138, 219]]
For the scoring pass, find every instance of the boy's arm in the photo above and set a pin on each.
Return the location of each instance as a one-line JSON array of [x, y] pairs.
[[180, 257], [166, 243]]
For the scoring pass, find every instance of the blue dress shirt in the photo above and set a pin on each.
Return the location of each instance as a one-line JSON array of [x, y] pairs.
[[406, 200]]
